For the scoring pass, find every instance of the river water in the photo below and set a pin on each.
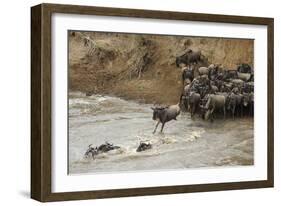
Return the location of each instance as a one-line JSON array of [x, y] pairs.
[[185, 143]]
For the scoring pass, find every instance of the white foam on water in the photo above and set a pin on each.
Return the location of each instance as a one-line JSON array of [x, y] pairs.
[[97, 118]]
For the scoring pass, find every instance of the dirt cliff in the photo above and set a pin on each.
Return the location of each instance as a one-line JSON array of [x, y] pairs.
[[142, 67]]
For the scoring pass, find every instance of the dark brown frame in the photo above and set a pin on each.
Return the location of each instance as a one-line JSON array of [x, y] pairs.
[[41, 101]]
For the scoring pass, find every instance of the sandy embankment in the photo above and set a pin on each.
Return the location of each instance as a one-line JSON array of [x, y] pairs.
[[142, 67]]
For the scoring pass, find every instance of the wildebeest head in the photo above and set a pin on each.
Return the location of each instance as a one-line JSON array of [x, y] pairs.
[[230, 74], [181, 60], [143, 146], [91, 150], [246, 99], [157, 112], [203, 105], [231, 101], [189, 57], [244, 68], [177, 61], [188, 73]]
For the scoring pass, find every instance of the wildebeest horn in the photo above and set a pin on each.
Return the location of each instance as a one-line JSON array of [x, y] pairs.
[[152, 108], [90, 145]]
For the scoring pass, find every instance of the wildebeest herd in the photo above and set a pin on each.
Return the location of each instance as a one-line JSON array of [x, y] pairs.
[[212, 90]]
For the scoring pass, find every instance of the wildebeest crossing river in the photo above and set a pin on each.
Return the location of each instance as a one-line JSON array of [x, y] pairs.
[[185, 143]]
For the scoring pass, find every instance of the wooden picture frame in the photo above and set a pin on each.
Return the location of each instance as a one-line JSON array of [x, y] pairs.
[[41, 173]]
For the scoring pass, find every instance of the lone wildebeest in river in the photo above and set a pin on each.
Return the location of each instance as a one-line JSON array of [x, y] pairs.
[[165, 114]]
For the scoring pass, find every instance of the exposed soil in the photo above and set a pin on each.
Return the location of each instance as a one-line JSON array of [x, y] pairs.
[[142, 67]]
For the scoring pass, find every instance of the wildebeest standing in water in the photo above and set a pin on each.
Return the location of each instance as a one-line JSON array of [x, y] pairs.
[[235, 101], [165, 114], [192, 102], [214, 102]]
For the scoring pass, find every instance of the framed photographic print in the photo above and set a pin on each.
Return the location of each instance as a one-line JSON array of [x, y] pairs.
[[132, 102]]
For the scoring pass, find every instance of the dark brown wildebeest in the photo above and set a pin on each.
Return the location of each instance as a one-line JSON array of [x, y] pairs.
[[248, 102], [213, 72], [244, 68], [234, 102], [143, 146], [165, 114], [248, 87], [187, 73], [190, 57], [187, 90], [107, 147], [192, 102], [91, 150], [101, 149], [86, 41], [230, 74]]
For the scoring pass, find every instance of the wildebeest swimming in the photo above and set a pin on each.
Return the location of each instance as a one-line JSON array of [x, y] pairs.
[[214, 89], [106, 147], [144, 146], [94, 151]]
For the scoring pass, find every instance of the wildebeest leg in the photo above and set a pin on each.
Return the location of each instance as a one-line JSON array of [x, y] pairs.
[[193, 110], [186, 105], [183, 78], [233, 112], [162, 126], [251, 110], [212, 117], [223, 112], [212, 114], [156, 127]]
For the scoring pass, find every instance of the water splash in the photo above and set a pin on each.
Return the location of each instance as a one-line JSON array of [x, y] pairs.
[[185, 143]]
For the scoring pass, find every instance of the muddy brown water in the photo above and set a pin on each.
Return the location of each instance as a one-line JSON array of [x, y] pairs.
[[185, 143]]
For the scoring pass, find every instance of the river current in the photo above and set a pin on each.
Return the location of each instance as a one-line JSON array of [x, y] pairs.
[[185, 143]]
